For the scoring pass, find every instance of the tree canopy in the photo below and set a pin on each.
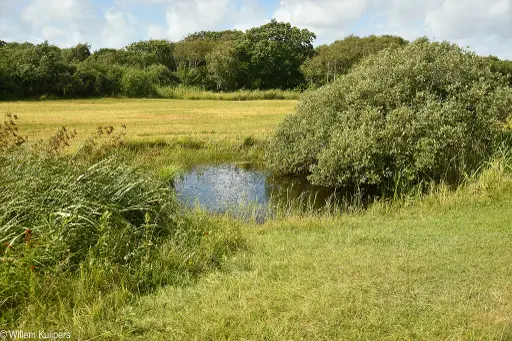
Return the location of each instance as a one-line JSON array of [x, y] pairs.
[[276, 55], [331, 61]]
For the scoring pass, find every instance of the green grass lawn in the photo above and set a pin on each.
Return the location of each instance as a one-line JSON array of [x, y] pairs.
[[428, 272]]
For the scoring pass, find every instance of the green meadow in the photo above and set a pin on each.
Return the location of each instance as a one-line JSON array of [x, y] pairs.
[[412, 141], [430, 267]]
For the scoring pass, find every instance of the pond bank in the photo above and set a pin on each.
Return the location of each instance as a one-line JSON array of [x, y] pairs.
[[248, 190]]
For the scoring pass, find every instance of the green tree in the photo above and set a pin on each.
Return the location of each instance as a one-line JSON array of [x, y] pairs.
[[137, 83], [192, 53], [191, 59], [94, 79], [228, 35], [161, 75], [224, 66], [5, 86], [110, 56], [150, 52], [77, 54], [331, 61], [503, 67], [33, 70], [274, 53]]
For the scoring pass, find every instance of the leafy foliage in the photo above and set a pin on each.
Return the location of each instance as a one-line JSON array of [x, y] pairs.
[[152, 52], [426, 112], [77, 54], [267, 57], [224, 66], [227, 35], [137, 83], [336, 59], [504, 67], [274, 56], [274, 53]]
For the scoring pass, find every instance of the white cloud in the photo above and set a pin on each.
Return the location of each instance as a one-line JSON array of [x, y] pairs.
[[41, 12], [69, 22], [457, 19], [66, 22], [486, 26], [250, 14], [156, 32], [9, 25], [118, 28], [5, 6], [188, 16], [321, 14], [329, 19], [185, 16]]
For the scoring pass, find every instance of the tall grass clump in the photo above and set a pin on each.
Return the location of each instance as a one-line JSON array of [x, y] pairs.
[[71, 227], [428, 112], [194, 93]]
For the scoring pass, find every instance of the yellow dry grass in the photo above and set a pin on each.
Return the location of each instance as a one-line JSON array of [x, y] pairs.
[[150, 119]]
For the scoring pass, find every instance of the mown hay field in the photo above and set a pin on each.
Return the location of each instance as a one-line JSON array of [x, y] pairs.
[[151, 119]]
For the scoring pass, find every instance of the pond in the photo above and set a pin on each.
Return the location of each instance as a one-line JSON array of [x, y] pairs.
[[246, 187]]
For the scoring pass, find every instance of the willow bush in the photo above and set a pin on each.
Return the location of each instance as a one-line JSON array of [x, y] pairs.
[[426, 112]]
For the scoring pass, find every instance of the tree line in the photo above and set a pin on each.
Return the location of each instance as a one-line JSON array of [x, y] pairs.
[[273, 56]]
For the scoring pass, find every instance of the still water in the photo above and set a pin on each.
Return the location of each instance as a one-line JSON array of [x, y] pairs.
[[235, 187]]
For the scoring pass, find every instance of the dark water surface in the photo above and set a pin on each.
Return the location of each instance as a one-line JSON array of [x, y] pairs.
[[235, 187]]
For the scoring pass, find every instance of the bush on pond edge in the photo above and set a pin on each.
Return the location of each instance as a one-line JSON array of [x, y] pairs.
[[426, 112]]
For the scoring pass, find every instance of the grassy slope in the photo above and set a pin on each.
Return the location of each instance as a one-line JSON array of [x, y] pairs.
[[432, 272], [151, 119]]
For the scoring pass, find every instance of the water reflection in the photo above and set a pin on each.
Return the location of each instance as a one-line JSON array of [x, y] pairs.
[[232, 187]]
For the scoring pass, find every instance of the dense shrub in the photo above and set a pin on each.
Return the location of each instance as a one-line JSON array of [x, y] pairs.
[[428, 111], [503, 67], [137, 83], [331, 61], [162, 76], [194, 93]]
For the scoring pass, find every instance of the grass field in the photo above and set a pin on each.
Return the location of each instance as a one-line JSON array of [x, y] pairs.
[[431, 268], [432, 272], [435, 269], [151, 119]]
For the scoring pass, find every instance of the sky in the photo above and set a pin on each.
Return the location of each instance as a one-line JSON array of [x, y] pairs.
[[484, 26]]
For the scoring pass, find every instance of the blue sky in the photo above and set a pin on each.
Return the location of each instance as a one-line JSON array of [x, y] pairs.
[[484, 26]]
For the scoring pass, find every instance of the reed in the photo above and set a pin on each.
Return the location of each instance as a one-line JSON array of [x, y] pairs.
[[75, 225]]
